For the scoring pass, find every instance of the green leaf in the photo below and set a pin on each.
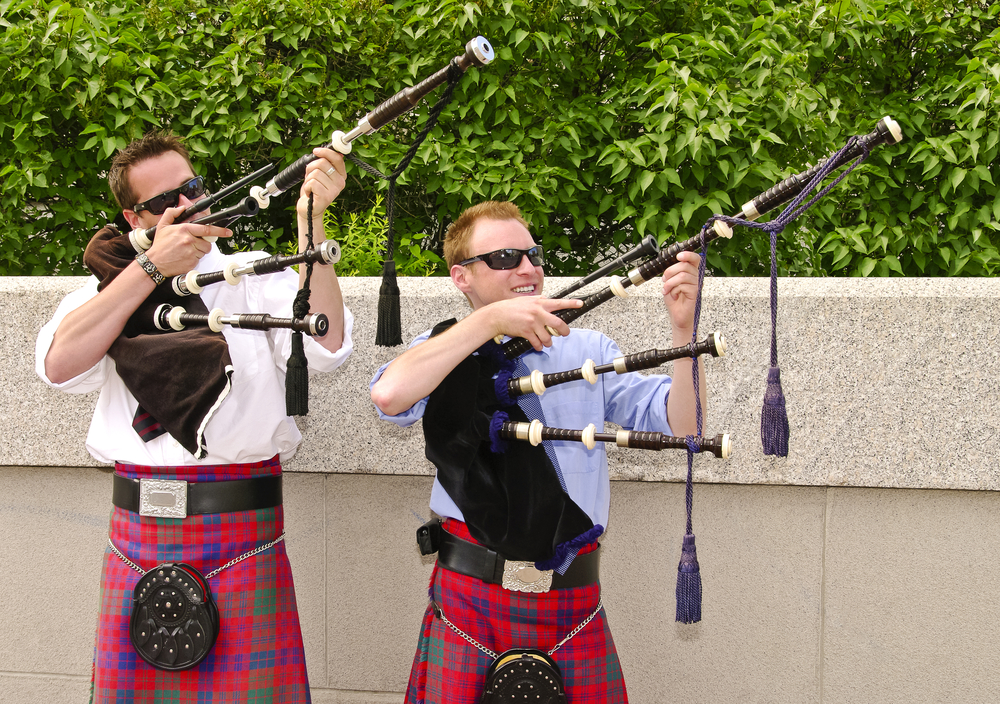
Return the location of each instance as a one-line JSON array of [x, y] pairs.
[[893, 263], [645, 179], [272, 133], [957, 176]]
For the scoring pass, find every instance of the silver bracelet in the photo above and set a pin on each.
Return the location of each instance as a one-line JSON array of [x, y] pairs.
[[149, 268]]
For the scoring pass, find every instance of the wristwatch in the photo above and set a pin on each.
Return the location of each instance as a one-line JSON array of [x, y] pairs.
[[149, 268]]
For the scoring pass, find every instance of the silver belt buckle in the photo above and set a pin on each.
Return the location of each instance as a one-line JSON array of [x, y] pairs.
[[163, 498], [524, 577]]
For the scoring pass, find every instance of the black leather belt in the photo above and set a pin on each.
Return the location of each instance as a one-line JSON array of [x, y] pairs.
[[175, 499], [479, 561]]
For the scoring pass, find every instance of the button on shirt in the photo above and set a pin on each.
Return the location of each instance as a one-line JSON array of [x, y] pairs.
[[632, 401], [250, 425]]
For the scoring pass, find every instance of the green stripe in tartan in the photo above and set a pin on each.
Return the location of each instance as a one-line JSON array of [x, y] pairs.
[[265, 602]]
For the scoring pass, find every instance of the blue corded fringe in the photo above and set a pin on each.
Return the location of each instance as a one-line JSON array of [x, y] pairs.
[[563, 549], [773, 417], [497, 444], [500, 386], [688, 584]]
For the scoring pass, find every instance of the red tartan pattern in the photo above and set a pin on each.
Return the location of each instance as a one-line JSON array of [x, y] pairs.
[[447, 669], [258, 656]]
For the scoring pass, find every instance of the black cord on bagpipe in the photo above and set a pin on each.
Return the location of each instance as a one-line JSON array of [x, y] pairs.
[[389, 331]]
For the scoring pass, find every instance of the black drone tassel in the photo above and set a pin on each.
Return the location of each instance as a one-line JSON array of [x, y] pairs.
[[297, 378], [297, 369], [688, 583], [389, 330]]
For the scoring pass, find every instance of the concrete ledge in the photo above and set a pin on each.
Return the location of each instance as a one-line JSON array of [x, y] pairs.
[[889, 382]]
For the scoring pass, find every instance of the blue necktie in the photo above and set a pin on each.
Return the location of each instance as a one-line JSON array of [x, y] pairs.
[[532, 407]]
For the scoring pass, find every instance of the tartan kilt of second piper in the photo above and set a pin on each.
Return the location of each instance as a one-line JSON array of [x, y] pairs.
[[449, 669]]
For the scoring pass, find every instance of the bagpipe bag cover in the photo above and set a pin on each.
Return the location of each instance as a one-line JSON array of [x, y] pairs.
[[177, 376], [512, 501]]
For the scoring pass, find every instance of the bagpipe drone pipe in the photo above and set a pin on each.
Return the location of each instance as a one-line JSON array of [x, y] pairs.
[[478, 52], [505, 387]]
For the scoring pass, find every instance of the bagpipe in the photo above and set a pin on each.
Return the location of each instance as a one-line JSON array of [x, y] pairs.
[[168, 317], [536, 382], [478, 52], [887, 131], [174, 327], [496, 359], [534, 432]]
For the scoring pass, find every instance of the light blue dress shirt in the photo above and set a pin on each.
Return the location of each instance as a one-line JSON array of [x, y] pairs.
[[633, 401]]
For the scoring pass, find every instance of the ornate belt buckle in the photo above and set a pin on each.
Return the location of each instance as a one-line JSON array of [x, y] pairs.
[[524, 577], [163, 498]]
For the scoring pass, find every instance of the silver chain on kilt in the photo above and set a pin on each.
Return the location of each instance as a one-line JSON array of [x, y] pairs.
[[251, 553], [473, 641]]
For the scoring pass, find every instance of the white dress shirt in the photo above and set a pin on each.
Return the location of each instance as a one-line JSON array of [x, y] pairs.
[[250, 424]]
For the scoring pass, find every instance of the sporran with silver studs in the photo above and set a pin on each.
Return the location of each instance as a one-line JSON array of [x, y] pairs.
[[174, 620], [524, 675]]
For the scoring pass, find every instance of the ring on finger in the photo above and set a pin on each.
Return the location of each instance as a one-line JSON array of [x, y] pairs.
[[331, 171]]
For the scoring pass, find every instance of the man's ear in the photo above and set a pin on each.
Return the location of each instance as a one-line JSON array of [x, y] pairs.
[[460, 277], [132, 218]]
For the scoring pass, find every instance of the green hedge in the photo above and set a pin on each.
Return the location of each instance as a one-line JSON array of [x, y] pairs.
[[604, 121]]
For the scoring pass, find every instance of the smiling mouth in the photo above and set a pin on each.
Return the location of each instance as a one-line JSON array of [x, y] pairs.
[[525, 289]]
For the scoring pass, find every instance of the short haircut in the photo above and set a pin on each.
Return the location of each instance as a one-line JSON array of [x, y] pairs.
[[150, 145], [456, 239]]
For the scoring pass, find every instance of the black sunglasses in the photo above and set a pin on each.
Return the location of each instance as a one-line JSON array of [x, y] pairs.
[[508, 258], [169, 199]]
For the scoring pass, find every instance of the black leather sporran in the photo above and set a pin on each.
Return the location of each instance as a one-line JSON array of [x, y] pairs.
[[174, 620], [520, 675]]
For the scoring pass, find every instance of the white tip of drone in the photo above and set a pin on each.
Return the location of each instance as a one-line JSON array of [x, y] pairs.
[[261, 196], [338, 142], [894, 129], [482, 49]]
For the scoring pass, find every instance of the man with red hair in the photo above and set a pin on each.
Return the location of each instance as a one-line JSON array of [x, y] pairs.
[[518, 558]]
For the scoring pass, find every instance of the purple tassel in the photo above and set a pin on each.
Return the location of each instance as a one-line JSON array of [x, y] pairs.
[[497, 444], [500, 386], [563, 549], [688, 583], [773, 418]]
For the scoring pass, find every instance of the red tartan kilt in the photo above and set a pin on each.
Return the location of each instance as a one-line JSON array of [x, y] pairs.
[[448, 669], [258, 655]]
